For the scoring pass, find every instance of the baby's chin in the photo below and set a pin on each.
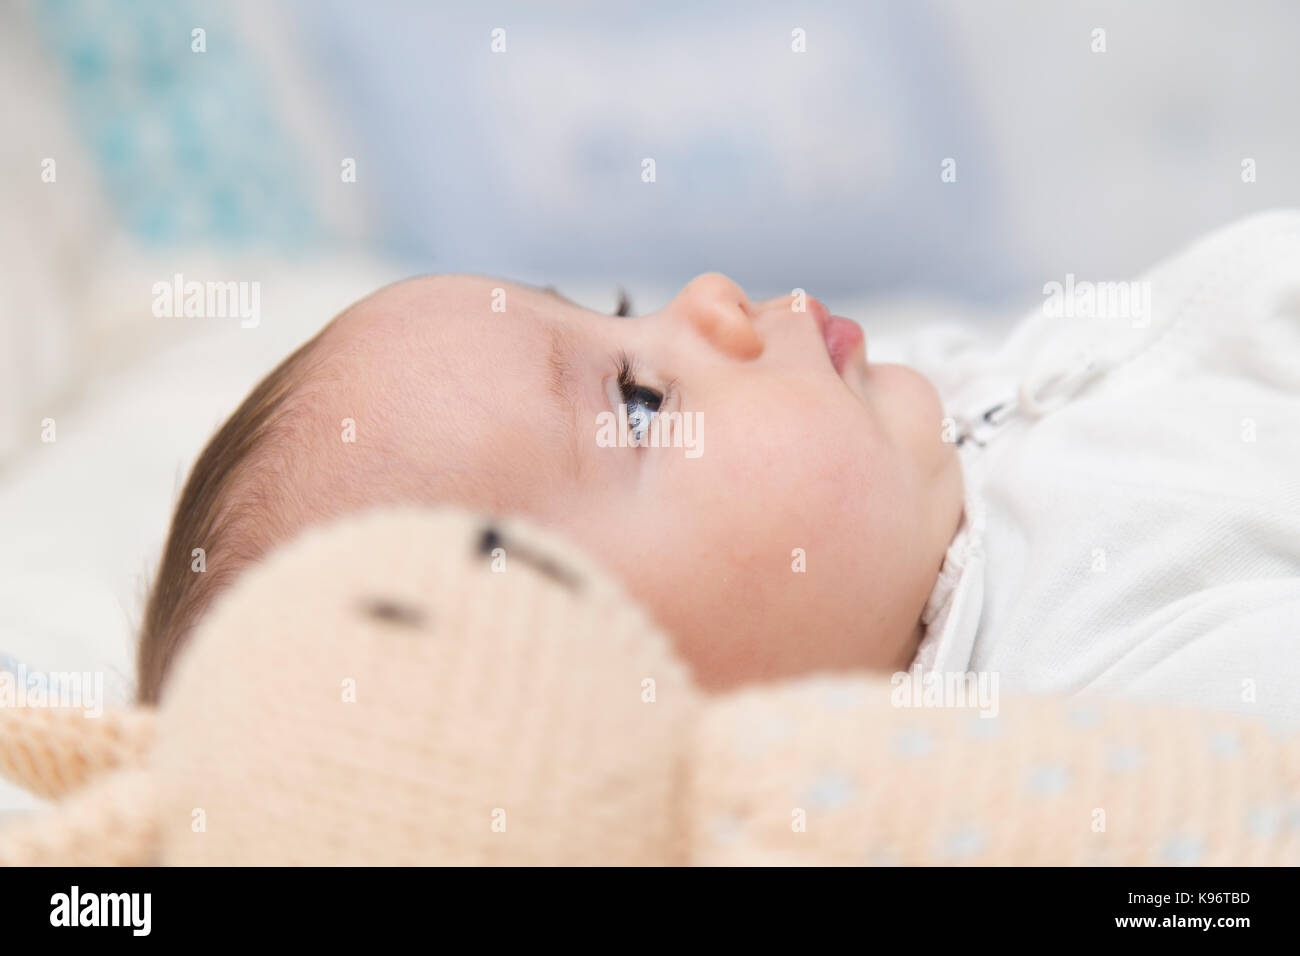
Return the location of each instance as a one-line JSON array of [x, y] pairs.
[[909, 410], [907, 407]]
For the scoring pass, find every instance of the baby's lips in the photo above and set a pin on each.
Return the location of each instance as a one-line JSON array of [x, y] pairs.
[[841, 318], [843, 339], [842, 336]]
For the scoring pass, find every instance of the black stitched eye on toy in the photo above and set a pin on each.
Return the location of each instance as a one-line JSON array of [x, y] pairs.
[[393, 612], [491, 539]]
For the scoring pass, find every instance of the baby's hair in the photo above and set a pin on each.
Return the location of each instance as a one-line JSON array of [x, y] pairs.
[[223, 510]]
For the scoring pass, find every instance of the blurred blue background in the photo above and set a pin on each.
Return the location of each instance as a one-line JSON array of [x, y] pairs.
[[818, 169]]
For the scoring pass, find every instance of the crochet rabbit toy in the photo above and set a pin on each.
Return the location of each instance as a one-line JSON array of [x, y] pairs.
[[413, 686]]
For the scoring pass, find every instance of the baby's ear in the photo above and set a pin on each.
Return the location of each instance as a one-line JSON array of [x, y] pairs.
[[425, 686]]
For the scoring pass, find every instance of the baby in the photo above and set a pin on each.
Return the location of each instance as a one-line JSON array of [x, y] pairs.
[[1107, 501], [801, 528]]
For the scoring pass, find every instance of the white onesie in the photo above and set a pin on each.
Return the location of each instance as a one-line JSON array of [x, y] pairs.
[[1133, 485]]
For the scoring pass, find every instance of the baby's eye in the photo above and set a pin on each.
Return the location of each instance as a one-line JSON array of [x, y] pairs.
[[642, 403]]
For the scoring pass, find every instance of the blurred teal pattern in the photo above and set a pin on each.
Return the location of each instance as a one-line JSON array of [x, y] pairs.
[[187, 145]]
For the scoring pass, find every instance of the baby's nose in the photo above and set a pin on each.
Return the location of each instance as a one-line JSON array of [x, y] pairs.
[[720, 312]]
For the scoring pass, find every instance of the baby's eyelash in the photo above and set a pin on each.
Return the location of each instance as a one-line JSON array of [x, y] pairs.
[[627, 379], [624, 304]]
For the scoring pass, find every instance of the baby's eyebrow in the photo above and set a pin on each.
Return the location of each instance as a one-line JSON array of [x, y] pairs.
[[559, 369], [559, 363]]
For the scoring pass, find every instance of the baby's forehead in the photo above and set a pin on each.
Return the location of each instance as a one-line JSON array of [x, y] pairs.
[[448, 324], [452, 293], [439, 362], [439, 357]]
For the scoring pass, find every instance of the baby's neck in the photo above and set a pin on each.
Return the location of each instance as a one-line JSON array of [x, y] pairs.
[[907, 653]]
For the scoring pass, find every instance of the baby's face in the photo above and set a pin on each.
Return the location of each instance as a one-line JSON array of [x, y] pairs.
[[793, 518]]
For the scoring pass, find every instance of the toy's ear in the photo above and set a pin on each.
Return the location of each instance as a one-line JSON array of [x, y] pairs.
[[53, 751], [105, 816], [110, 822]]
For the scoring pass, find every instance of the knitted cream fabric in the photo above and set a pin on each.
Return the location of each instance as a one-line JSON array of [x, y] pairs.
[[387, 691], [829, 771], [52, 751], [377, 693], [111, 822]]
